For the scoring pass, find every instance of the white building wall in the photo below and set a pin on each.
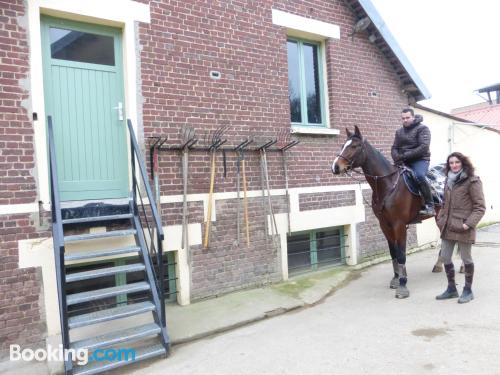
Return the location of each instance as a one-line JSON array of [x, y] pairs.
[[476, 142]]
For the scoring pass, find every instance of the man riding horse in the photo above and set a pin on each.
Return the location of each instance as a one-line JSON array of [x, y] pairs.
[[411, 147]]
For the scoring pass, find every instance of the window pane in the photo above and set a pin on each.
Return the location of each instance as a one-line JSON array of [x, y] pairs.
[[299, 252], [83, 47], [312, 83], [294, 81], [328, 247]]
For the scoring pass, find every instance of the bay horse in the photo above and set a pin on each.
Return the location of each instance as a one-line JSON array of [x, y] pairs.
[[393, 204]]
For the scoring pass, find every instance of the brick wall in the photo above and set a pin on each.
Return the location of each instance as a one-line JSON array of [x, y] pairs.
[[184, 42], [21, 316], [318, 201], [17, 184], [226, 265], [187, 40]]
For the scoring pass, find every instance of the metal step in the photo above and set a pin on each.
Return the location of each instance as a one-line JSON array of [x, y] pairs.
[[95, 236], [110, 314], [143, 353], [117, 337], [97, 218], [106, 292], [101, 253], [77, 276]]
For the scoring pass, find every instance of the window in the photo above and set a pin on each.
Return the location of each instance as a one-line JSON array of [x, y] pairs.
[[81, 47], [169, 280], [305, 83], [312, 250]]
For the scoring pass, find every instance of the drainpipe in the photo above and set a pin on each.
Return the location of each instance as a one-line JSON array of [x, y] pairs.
[[451, 137]]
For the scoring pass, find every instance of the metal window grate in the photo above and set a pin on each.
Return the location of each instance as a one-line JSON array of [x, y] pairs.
[[316, 249]]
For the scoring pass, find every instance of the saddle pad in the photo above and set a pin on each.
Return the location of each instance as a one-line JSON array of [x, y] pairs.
[[435, 178]]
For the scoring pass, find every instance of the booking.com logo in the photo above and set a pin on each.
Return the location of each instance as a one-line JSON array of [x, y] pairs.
[[80, 356]]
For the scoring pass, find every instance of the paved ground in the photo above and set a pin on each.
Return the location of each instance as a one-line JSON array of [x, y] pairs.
[[363, 329]]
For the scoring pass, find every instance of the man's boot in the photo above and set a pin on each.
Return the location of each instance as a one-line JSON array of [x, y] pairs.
[[429, 203], [467, 294], [451, 290]]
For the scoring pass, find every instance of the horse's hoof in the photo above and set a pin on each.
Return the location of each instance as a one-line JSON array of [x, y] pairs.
[[394, 283], [402, 292], [437, 269]]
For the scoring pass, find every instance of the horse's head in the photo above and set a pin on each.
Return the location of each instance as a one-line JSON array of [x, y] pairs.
[[352, 154]]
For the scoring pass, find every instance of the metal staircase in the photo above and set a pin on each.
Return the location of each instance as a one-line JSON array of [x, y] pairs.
[[148, 236]]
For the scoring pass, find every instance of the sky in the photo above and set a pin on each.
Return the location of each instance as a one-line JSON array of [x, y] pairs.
[[452, 44]]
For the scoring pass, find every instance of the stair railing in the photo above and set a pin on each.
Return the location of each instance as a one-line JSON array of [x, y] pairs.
[[58, 239], [156, 236]]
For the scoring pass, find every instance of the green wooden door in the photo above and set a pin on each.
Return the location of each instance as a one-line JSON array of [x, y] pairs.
[[83, 85]]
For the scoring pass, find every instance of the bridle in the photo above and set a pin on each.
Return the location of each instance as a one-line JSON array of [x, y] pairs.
[[350, 168], [350, 162]]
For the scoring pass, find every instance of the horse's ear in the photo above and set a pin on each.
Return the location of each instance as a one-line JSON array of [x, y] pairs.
[[349, 134], [357, 132]]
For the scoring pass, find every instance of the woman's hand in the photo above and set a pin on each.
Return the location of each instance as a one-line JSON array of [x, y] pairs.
[[465, 226]]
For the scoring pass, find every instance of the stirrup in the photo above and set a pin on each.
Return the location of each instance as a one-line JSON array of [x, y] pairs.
[[428, 211]]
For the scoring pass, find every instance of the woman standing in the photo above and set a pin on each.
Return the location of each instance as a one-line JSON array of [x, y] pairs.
[[462, 210]]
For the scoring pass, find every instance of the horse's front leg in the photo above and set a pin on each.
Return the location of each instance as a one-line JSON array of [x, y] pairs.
[[391, 242], [395, 267], [400, 234]]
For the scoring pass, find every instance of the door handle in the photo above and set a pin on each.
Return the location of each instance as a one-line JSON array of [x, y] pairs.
[[120, 110]]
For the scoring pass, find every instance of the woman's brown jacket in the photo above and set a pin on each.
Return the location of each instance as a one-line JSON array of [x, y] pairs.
[[463, 204]]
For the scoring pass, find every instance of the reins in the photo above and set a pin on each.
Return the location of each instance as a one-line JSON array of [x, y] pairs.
[[375, 177]]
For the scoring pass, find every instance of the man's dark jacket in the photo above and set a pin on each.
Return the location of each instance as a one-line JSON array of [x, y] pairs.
[[412, 143]]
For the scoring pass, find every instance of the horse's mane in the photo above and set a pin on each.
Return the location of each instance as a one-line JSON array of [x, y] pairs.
[[381, 158]]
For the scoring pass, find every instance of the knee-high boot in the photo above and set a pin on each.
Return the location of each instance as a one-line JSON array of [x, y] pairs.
[[451, 290], [467, 294]]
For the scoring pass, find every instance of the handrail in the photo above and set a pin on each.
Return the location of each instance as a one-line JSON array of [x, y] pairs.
[[137, 156], [58, 239], [142, 169]]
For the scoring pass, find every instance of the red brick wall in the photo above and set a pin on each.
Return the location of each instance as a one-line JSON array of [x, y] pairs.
[[318, 201], [21, 321], [183, 43], [186, 40], [17, 184], [226, 265]]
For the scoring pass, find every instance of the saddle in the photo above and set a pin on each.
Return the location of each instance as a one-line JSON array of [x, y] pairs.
[[435, 177]]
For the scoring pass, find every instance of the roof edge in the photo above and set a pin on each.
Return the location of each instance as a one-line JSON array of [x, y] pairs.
[[382, 28], [447, 115]]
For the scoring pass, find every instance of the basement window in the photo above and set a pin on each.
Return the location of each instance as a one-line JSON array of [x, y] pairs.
[[310, 251], [169, 284]]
